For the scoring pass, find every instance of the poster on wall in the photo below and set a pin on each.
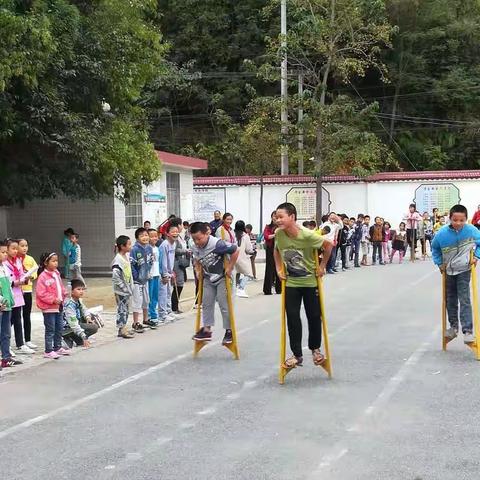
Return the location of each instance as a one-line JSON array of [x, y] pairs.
[[206, 201], [305, 200], [436, 195]]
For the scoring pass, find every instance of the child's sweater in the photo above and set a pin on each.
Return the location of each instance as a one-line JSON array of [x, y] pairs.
[[453, 248], [6, 294], [15, 268], [49, 289], [75, 312], [122, 277], [141, 259]]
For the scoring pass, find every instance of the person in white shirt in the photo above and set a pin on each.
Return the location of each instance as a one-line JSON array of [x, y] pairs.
[[335, 224]]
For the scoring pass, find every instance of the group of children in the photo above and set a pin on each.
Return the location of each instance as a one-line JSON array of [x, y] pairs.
[[149, 275], [66, 321], [355, 239], [454, 243]]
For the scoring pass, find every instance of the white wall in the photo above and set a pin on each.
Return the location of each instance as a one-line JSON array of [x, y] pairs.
[[389, 200], [157, 212]]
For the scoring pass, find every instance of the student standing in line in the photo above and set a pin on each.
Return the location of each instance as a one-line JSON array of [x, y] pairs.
[[387, 241], [66, 248], [6, 304], [122, 280], [365, 240], [29, 265], [253, 241], [75, 260], [15, 268], [154, 280], [243, 267], [271, 278], [141, 259], [167, 274], [180, 265], [377, 237], [50, 295], [399, 243]]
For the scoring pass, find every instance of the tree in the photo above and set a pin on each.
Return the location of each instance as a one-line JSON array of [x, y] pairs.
[[59, 62], [434, 68], [208, 53], [333, 42]]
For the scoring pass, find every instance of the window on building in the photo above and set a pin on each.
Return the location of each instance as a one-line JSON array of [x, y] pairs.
[[133, 211], [173, 193]]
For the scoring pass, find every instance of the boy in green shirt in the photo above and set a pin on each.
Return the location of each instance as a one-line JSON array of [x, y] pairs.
[[295, 250]]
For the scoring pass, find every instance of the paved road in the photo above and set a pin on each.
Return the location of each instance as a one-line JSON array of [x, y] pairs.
[[397, 408]]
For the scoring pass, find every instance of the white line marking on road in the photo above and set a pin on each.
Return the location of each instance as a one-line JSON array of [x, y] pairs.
[[160, 366], [332, 458], [207, 411], [100, 393], [380, 401], [109, 467]]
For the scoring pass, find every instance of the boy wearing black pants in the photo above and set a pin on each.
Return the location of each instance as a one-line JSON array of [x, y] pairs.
[[295, 263]]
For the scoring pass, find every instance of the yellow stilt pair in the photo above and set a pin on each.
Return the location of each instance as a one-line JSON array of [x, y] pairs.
[[198, 345], [327, 365], [475, 346]]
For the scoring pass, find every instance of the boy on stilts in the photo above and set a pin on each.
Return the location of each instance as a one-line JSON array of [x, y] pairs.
[[295, 250], [209, 261], [452, 249]]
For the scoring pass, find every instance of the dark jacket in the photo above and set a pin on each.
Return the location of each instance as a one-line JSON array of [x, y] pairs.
[[357, 236], [141, 259], [377, 233], [215, 225], [344, 240]]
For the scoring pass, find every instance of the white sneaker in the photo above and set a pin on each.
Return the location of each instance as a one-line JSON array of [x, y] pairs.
[[12, 353], [25, 350], [171, 317], [468, 337], [451, 333], [31, 345], [242, 293]]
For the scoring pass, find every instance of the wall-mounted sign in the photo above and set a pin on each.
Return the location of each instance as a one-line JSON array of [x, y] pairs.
[[206, 201], [154, 198], [305, 200], [436, 195]]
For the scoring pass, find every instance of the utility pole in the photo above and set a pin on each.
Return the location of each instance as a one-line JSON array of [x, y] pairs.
[[300, 120], [283, 87]]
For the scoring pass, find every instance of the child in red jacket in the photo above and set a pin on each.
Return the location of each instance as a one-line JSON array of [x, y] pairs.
[[50, 294]]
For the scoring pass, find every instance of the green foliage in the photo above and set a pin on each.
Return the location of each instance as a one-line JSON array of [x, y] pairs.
[[62, 60]]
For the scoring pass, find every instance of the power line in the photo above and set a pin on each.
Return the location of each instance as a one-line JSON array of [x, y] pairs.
[[387, 132]]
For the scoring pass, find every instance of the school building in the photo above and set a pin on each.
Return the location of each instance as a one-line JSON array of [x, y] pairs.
[[99, 222], [388, 195]]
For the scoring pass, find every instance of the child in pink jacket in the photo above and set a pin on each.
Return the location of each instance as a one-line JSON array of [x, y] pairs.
[[50, 294]]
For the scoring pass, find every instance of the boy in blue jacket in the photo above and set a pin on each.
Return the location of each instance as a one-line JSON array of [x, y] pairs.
[[141, 260], [451, 250]]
